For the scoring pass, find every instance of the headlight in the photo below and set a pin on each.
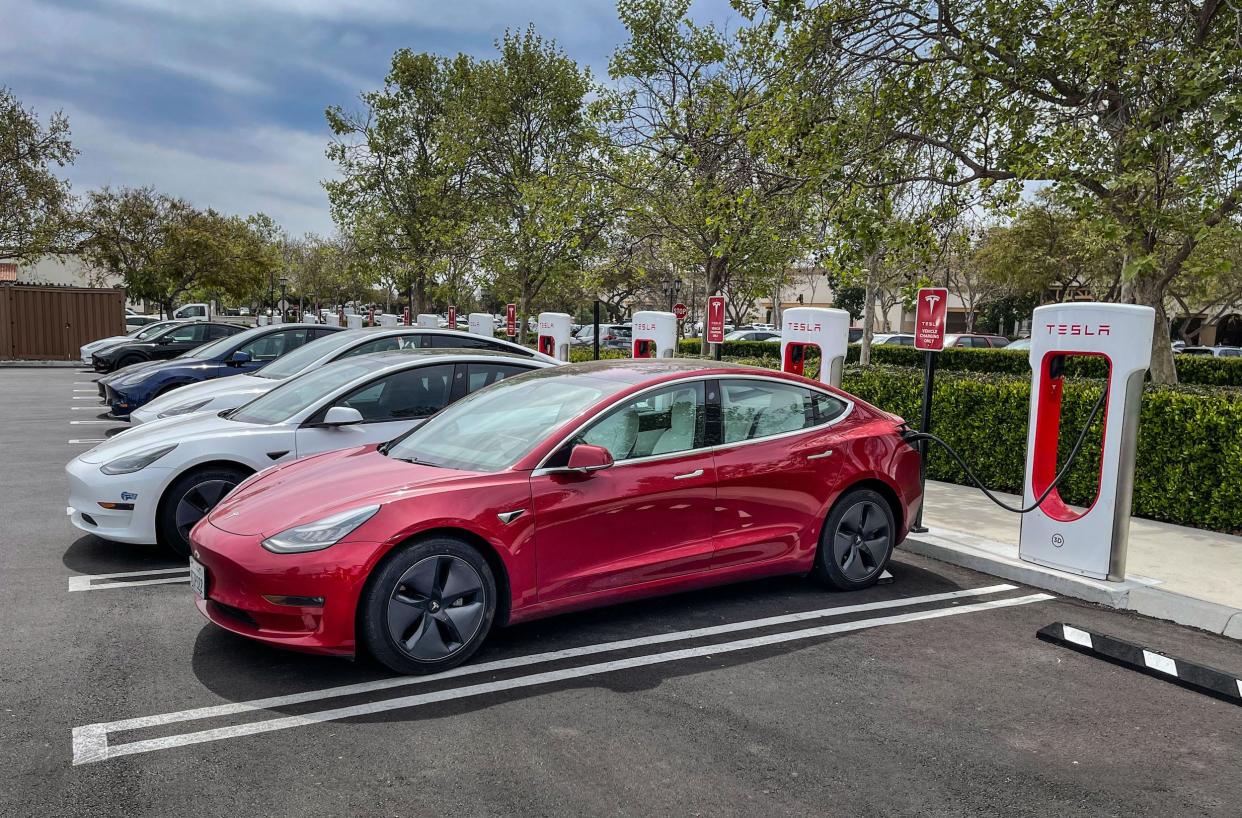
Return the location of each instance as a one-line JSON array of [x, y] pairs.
[[135, 462], [320, 534], [184, 408]]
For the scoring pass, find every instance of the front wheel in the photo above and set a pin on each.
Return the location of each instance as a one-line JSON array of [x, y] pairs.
[[429, 606], [857, 540], [188, 500]]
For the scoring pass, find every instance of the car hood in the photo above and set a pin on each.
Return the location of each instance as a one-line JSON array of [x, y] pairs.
[[316, 487], [159, 433], [228, 392], [95, 346], [181, 366], [125, 372]]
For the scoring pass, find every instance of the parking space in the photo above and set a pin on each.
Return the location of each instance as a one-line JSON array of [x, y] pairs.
[[929, 695]]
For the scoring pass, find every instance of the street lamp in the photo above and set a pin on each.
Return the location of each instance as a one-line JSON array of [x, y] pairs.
[[671, 289], [284, 282]]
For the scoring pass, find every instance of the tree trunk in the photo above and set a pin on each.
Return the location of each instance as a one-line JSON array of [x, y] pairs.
[[420, 296], [873, 276], [1150, 293], [523, 318]]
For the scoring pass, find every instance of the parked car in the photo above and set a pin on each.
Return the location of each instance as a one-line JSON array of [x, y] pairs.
[[167, 343], [136, 321], [240, 352], [153, 483], [856, 335], [970, 340], [230, 392], [1021, 343], [752, 335], [413, 550], [893, 339], [611, 336], [138, 333], [1216, 352]]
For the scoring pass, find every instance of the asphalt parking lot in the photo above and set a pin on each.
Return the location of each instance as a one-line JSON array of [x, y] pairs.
[[926, 696]]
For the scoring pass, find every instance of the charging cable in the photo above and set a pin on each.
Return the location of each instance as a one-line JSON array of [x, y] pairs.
[[913, 436]]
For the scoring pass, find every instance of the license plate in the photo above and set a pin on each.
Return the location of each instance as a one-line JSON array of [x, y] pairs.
[[198, 578]]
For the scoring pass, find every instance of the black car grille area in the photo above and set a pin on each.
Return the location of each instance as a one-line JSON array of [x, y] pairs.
[[235, 613]]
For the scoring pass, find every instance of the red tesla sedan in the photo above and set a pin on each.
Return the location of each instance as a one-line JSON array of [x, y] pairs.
[[564, 488]]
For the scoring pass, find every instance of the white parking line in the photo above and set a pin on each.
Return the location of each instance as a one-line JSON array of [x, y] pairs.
[[93, 397], [90, 440], [98, 408], [92, 391], [90, 742], [85, 422], [84, 582]]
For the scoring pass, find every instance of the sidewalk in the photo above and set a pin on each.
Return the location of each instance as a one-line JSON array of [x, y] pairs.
[[1188, 575]]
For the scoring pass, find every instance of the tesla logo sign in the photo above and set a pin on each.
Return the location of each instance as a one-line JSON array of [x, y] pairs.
[[715, 319], [645, 327], [452, 318], [929, 315], [1078, 329], [803, 326], [511, 319]]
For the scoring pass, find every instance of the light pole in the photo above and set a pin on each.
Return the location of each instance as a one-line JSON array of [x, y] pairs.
[[672, 288], [284, 282]]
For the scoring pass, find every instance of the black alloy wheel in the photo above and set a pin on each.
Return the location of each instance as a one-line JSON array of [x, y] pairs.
[[188, 500], [857, 541]]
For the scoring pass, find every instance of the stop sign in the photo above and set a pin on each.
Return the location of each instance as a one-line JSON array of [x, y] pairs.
[[680, 311]]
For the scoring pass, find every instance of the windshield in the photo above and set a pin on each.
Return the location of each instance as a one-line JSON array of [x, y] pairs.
[[286, 366], [297, 394], [495, 427], [155, 330]]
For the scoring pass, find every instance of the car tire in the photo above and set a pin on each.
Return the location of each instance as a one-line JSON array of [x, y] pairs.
[[856, 542], [188, 500], [428, 606], [128, 360]]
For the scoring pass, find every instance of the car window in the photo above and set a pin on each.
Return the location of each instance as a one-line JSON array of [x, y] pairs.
[[467, 342], [1230, 353], [479, 375], [190, 332], [417, 392], [752, 409], [274, 344], [664, 421], [386, 344]]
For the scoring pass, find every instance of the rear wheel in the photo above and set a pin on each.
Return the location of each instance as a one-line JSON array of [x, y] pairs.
[[429, 606], [188, 500], [856, 542]]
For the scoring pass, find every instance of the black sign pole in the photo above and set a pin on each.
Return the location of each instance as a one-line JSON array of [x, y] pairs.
[[595, 334], [929, 378]]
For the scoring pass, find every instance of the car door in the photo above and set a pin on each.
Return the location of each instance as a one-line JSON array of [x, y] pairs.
[[389, 404], [775, 467], [180, 340], [647, 517]]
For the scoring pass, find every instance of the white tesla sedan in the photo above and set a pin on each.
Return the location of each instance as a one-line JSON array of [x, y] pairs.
[[153, 483], [228, 393]]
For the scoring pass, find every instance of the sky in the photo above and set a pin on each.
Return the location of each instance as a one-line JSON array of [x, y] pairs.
[[221, 101]]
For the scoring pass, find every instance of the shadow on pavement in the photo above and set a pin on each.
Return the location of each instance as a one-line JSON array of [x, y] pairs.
[[90, 555]]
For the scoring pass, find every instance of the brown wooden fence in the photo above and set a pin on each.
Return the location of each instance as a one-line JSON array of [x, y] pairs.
[[40, 323]]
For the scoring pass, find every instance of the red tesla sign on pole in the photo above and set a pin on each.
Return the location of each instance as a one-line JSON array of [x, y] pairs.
[[715, 319], [452, 317], [929, 315], [511, 316]]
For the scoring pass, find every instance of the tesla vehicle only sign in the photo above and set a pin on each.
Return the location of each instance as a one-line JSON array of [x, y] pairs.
[[715, 319], [511, 319], [929, 317]]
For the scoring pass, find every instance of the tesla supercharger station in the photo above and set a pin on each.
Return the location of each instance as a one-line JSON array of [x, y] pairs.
[[429, 321], [822, 328], [388, 320], [1091, 542], [655, 334], [353, 321], [554, 331], [482, 323]]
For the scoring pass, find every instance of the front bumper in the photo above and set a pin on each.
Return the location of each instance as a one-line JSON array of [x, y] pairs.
[[88, 487], [241, 575]]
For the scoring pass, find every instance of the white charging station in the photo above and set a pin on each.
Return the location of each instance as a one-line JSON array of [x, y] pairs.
[[1092, 542], [554, 332], [654, 334], [822, 328], [389, 320], [353, 321], [429, 321], [481, 323]]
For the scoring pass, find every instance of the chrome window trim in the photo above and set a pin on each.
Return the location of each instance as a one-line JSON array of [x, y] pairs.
[[540, 470]]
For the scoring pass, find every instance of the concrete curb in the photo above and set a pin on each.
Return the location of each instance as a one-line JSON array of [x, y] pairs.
[[42, 364], [1138, 594]]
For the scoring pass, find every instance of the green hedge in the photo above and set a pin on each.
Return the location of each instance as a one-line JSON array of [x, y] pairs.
[[1189, 448], [1191, 369]]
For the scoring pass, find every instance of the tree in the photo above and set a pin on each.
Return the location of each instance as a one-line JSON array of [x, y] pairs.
[[35, 203], [405, 164], [1129, 111], [533, 147]]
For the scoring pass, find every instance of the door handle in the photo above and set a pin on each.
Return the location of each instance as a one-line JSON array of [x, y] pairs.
[[689, 474], [821, 455]]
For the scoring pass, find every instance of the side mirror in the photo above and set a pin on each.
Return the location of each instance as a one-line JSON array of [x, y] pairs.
[[240, 359], [585, 458], [342, 416]]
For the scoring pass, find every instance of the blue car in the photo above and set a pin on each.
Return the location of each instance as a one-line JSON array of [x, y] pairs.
[[246, 351]]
